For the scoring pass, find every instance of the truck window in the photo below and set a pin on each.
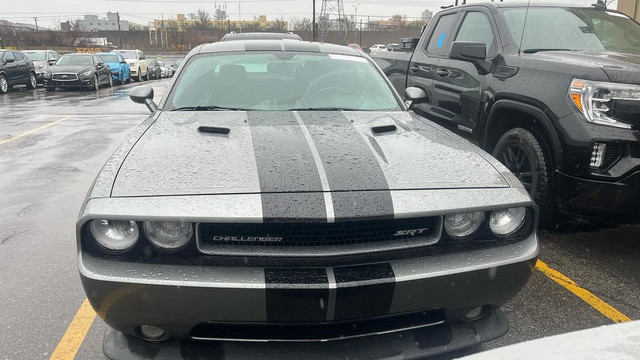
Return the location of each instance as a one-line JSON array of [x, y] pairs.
[[440, 36], [476, 26]]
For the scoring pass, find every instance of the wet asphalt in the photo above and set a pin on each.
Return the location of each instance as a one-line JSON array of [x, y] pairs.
[[45, 175]]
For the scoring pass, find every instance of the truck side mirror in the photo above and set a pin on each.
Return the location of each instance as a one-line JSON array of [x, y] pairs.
[[474, 52]]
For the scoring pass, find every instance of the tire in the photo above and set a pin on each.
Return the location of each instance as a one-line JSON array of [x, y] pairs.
[[139, 77], [110, 80], [96, 83], [524, 154], [4, 84], [33, 82], [147, 77]]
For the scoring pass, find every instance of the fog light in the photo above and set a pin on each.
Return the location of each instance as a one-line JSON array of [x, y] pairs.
[[151, 332], [597, 155], [474, 313]]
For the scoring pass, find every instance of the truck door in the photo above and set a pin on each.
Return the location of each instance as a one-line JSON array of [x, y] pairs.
[[430, 50], [458, 87]]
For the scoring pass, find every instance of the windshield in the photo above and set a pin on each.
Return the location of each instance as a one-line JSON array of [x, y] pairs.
[[151, 62], [36, 56], [66, 60], [129, 54], [282, 81], [572, 29], [109, 58]]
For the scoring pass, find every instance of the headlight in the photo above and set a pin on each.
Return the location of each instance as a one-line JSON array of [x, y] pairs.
[[115, 72], [594, 100], [507, 222], [40, 66], [115, 235], [463, 225], [86, 74], [46, 75], [168, 235]]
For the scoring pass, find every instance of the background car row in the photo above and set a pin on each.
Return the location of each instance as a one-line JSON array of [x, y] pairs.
[[77, 70]]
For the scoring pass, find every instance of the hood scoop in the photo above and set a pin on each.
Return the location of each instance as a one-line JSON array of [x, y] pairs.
[[214, 130], [384, 129]]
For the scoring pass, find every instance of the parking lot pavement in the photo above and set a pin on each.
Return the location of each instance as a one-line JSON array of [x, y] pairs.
[[53, 144]]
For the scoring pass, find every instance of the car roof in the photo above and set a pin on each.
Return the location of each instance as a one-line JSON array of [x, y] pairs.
[[519, 4], [78, 54], [260, 36], [278, 45]]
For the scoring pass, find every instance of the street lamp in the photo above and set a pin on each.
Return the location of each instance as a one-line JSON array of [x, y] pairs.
[[355, 27]]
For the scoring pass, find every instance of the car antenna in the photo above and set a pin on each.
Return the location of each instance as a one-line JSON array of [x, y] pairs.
[[524, 27], [600, 5]]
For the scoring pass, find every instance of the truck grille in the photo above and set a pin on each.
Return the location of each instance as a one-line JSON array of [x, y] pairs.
[[321, 239], [65, 77]]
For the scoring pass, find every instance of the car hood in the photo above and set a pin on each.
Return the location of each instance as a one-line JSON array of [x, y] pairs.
[[619, 67], [72, 69], [197, 153]]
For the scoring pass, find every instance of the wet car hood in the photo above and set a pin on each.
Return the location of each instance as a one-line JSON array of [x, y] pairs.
[[71, 69], [619, 67], [197, 153]]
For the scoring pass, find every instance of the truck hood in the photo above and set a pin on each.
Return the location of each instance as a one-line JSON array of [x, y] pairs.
[[619, 67], [198, 153]]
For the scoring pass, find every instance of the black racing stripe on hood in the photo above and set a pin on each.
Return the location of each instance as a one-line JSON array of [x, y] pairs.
[[285, 165], [350, 165]]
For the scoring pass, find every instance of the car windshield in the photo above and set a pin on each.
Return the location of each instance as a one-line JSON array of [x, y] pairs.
[[109, 58], [66, 60], [151, 62], [129, 54], [36, 56], [282, 81], [572, 29]]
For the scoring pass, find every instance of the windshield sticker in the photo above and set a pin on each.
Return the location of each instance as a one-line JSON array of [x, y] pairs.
[[348, 58], [441, 40]]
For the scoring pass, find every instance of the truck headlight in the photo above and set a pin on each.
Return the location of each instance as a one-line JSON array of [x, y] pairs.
[[507, 222], [595, 99], [168, 235], [463, 225], [115, 235]]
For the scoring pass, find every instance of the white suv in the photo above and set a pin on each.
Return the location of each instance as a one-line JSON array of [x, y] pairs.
[[137, 63]]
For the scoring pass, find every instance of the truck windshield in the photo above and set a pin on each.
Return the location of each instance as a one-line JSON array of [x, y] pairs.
[[281, 81], [555, 28]]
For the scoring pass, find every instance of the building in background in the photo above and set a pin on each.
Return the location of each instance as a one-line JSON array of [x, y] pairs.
[[427, 15], [15, 27], [94, 23]]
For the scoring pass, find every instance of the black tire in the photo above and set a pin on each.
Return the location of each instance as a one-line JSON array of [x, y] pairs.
[[96, 83], [523, 152], [4, 84], [147, 77], [110, 80], [139, 77], [32, 83]]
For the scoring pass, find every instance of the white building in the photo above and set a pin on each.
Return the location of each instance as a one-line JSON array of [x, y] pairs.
[[93, 23]]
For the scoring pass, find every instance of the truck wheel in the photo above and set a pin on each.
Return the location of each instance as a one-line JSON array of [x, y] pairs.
[[139, 77], [524, 155], [32, 82], [4, 85]]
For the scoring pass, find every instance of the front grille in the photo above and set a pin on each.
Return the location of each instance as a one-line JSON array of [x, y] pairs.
[[627, 111], [322, 239], [65, 77], [339, 330]]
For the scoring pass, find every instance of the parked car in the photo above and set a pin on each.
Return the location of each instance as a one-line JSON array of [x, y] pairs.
[[42, 59], [120, 71], [308, 205], [78, 71], [377, 47], [232, 36], [393, 47], [155, 72], [355, 46], [167, 71], [16, 69], [561, 112], [138, 64], [176, 65]]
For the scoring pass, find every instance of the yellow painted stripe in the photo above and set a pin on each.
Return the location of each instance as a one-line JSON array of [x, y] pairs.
[[584, 294], [34, 130], [75, 334]]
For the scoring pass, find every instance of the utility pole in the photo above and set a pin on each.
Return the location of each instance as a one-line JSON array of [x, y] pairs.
[[360, 42], [356, 20], [314, 20], [119, 30], [36, 20]]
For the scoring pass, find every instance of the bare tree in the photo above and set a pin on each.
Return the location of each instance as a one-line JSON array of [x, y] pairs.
[[280, 24], [304, 24], [350, 23], [400, 21], [221, 14], [203, 18]]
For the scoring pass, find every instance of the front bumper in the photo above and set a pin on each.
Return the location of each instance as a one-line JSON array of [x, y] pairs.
[[67, 84], [183, 300]]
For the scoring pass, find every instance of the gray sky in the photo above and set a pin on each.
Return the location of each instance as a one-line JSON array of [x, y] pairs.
[[51, 13]]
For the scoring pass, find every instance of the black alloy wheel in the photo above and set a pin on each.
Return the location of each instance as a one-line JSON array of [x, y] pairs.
[[110, 80]]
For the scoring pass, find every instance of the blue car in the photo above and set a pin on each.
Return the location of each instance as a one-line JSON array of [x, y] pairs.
[[120, 71]]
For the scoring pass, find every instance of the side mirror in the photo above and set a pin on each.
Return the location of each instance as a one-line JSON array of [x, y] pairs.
[[100, 64], [123, 62], [415, 95], [474, 52], [52, 62], [143, 95], [9, 61]]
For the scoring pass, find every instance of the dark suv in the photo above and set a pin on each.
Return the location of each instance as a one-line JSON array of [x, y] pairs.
[[551, 91], [16, 69]]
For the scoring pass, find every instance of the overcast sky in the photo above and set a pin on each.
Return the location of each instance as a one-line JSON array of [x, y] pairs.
[[51, 12]]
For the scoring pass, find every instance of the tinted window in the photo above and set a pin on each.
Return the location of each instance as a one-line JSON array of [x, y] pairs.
[[75, 60], [18, 56], [476, 26], [8, 56], [109, 58], [37, 56], [54, 56], [282, 81], [441, 34]]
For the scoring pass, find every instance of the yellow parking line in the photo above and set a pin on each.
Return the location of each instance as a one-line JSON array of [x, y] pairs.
[[75, 334], [586, 296], [34, 130]]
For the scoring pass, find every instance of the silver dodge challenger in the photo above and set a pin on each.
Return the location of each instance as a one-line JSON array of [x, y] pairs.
[[284, 201]]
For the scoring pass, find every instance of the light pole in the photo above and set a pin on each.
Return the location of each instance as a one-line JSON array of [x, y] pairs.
[[355, 25]]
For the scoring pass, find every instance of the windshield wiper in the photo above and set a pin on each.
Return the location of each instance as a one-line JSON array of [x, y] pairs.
[[531, 51], [328, 108], [208, 108]]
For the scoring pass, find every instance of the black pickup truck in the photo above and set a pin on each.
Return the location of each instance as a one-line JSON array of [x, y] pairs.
[[551, 91]]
